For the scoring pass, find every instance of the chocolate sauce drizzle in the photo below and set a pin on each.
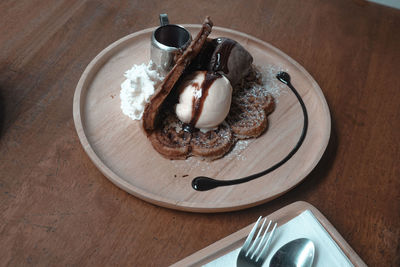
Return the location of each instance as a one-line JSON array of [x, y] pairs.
[[202, 183], [200, 96], [222, 54], [221, 48]]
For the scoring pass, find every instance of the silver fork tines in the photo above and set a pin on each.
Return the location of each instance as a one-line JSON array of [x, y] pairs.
[[254, 250]]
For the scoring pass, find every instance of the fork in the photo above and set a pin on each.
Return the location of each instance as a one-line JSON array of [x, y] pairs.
[[254, 251]]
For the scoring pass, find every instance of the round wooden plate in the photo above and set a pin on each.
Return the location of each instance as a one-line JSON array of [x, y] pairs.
[[121, 151]]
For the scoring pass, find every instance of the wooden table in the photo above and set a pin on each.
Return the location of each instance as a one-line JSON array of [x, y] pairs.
[[58, 209]]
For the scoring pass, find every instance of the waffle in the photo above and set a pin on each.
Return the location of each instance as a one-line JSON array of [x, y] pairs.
[[151, 110], [173, 142], [169, 139], [250, 108], [247, 117]]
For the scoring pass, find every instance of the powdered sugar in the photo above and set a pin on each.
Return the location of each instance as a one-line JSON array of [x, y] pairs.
[[269, 82], [237, 150], [263, 83]]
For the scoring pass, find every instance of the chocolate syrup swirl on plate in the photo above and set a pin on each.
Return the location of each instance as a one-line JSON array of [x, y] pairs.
[[202, 183]]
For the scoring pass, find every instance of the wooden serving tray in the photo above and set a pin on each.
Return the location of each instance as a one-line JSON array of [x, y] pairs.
[[281, 216], [120, 150]]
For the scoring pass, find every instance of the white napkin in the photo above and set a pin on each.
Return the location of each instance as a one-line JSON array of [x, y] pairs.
[[327, 252]]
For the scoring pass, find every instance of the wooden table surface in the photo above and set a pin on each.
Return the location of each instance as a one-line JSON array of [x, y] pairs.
[[57, 209]]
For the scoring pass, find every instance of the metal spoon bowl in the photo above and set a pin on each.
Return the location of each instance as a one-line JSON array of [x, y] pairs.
[[298, 252]]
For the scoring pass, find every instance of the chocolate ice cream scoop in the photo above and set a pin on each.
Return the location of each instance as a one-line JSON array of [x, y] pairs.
[[230, 59], [225, 56]]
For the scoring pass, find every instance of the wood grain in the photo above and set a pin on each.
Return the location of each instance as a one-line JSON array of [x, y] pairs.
[[58, 209], [120, 149]]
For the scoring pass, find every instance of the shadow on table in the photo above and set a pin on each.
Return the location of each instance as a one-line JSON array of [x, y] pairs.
[[325, 165], [2, 113], [323, 168], [303, 191]]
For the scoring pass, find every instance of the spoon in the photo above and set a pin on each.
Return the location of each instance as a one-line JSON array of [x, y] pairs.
[[202, 183], [298, 252]]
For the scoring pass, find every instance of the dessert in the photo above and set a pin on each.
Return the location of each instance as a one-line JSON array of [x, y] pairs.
[[211, 98], [153, 107]]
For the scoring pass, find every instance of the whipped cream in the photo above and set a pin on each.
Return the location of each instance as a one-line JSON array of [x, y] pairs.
[[139, 86]]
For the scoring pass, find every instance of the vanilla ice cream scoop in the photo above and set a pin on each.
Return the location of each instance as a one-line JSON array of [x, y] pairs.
[[204, 100]]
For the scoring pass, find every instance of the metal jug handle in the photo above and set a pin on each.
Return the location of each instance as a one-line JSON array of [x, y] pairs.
[[164, 19]]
